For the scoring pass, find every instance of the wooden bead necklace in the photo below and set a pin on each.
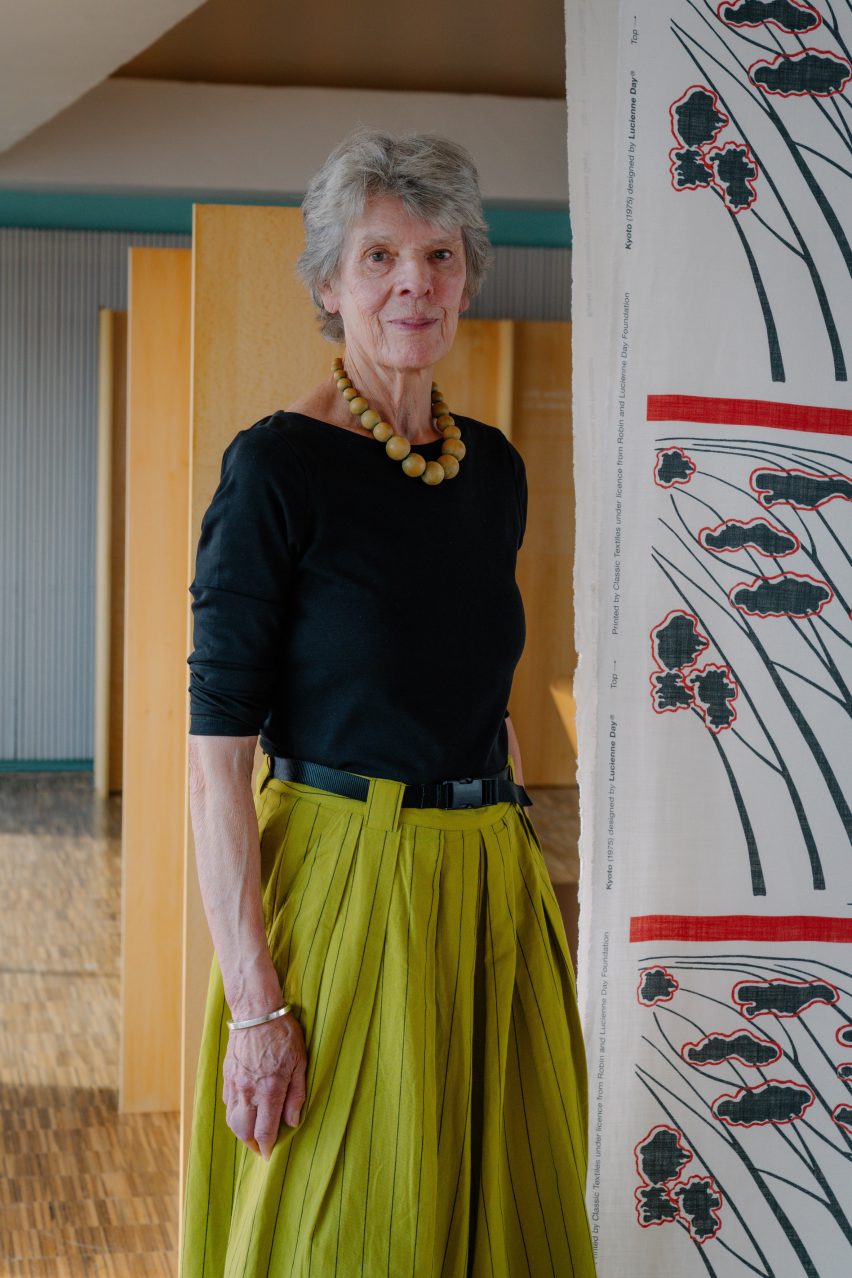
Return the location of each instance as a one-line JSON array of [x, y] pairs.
[[397, 446]]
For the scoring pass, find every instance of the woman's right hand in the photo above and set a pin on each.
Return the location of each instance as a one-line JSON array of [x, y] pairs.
[[264, 1081], [264, 1066]]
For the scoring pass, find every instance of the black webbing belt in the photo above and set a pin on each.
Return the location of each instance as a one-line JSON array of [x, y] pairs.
[[467, 792]]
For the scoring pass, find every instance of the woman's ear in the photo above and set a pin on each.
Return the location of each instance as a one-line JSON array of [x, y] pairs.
[[464, 304], [330, 302], [329, 299]]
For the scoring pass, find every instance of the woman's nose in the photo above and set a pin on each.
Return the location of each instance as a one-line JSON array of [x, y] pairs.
[[414, 278]]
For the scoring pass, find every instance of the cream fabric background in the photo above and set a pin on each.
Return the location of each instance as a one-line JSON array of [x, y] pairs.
[[710, 161]]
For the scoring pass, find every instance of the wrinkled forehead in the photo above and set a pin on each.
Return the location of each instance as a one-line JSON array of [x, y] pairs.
[[386, 218]]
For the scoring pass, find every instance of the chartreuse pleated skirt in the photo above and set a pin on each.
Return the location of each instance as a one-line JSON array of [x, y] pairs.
[[443, 1133]]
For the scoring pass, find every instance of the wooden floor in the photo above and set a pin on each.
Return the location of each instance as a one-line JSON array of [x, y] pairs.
[[84, 1190]]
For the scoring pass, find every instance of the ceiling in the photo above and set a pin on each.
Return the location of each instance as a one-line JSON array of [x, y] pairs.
[[52, 52], [479, 46]]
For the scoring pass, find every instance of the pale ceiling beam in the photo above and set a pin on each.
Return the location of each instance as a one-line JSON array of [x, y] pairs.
[[158, 137], [54, 51]]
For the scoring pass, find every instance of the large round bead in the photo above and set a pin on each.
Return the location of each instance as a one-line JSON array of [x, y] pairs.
[[343, 383], [451, 432], [439, 408], [371, 418], [382, 431], [414, 464], [358, 405], [450, 465], [397, 447], [433, 473], [337, 362], [350, 393], [454, 448], [444, 421]]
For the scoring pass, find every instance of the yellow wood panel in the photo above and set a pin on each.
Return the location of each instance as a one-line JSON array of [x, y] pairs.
[[103, 552], [109, 591], [562, 691], [119, 470], [157, 494], [518, 376], [542, 432], [476, 376], [256, 348]]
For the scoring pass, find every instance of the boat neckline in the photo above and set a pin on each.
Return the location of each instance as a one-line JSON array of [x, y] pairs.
[[341, 430]]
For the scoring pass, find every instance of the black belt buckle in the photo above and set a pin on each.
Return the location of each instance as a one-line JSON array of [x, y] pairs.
[[465, 793]]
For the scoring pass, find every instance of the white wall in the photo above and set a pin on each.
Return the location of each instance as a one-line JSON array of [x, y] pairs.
[[160, 136]]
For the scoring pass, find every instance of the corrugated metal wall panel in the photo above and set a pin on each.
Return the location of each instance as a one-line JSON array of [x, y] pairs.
[[52, 284], [10, 448], [526, 284]]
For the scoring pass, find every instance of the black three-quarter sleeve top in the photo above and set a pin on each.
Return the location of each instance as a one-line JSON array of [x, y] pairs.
[[352, 615]]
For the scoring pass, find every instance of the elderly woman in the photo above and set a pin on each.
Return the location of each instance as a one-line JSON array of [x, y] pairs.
[[392, 1078]]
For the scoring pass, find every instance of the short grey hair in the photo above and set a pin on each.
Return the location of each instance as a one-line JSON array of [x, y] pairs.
[[434, 178]]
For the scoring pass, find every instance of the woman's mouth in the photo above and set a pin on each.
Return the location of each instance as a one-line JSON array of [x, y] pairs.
[[414, 325]]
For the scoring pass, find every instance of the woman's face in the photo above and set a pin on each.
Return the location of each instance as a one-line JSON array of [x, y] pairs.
[[400, 287]]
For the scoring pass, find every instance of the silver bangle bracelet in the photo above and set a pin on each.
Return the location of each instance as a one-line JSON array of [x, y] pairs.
[[260, 1020]]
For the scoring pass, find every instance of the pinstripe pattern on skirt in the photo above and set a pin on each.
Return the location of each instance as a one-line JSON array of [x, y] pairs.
[[443, 1133]]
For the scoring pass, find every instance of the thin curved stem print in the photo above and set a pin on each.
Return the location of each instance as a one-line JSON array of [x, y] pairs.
[[687, 41]]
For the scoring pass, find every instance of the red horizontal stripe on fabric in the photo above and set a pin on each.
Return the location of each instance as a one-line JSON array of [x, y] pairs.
[[739, 927], [749, 412]]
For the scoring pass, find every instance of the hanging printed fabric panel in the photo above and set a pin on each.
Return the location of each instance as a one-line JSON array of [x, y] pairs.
[[710, 162]]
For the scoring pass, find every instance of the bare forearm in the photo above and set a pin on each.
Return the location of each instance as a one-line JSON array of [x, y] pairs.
[[515, 751], [227, 853]]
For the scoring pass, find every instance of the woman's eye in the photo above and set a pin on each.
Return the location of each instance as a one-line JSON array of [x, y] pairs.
[[377, 255], [443, 255]]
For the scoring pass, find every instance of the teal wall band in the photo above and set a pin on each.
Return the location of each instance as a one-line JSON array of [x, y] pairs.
[[172, 215], [46, 765]]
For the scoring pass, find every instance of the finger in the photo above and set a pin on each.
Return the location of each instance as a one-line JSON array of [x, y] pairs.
[[268, 1122], [295, 1097], [241, 1119]]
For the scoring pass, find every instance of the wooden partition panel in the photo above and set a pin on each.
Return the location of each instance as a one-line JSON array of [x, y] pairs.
[[155, 677], [517, 375], [478, 373], [541, 417], [109, 606], [256, 348]]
